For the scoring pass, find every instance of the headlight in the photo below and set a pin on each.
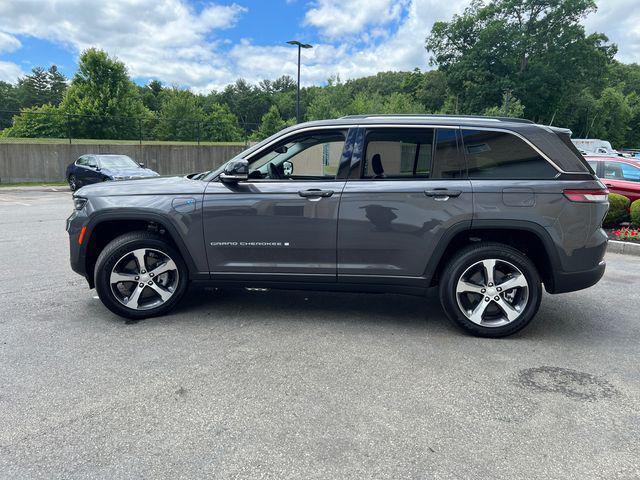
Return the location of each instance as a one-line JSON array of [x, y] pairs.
[[79, 202]]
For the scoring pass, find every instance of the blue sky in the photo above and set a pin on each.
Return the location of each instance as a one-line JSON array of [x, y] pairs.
[[204, 45]]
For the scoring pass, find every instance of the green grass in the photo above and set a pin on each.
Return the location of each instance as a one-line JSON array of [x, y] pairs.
[[89, 141], [34, 184]]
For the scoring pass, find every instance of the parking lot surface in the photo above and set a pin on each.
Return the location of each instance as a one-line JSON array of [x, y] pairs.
[[304, 385]]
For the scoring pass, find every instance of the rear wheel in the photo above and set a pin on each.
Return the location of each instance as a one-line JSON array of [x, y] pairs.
[[490, 290], [140, 275]]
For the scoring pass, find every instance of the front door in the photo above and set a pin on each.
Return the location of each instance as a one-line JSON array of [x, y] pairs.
[[407, 188], [282, 222]]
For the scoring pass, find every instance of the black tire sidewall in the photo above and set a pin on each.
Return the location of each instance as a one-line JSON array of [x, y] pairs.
[[113, 252], [468, 257]]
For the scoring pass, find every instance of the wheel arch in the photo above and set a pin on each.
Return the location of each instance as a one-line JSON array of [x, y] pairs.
[[104, 227], [528, 237]]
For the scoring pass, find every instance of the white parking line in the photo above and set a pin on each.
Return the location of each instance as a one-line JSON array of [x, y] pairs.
[[13, 201]]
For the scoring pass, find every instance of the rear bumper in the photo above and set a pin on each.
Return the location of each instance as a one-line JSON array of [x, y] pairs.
[[564, 282]]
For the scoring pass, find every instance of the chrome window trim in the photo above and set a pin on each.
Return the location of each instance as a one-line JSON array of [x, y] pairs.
[[409, 125]]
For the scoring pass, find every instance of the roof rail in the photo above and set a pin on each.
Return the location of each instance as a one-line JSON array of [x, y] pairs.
[[420, 115]]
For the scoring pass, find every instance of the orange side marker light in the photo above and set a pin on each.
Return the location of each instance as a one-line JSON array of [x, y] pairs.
[[81, 236]]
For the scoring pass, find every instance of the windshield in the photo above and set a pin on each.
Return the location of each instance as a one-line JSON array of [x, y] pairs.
[[117, 161]]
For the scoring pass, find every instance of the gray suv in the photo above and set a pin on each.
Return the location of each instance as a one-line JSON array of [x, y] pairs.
[[486, 209]]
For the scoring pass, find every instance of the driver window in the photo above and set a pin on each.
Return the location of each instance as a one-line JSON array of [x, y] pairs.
[[310, 156], [91, 162]]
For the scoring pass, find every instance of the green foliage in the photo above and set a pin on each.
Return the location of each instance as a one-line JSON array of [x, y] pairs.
[[270, 123], [221, 125], [634, 210], [41, 87], [618, 210], [45, 121], [515, 109], [504, 45], [106, 103], [180, 116]]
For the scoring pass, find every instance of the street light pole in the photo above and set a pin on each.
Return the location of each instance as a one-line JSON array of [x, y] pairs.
[[300, 47]]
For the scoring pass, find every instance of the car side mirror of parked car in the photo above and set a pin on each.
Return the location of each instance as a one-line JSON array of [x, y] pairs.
[[141, 164], [235, 171]]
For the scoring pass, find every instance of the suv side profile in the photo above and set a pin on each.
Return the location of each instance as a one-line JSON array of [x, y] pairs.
[[486, 209]]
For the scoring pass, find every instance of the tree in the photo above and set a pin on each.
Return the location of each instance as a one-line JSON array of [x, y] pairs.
[[221, 125], [180, 116], [271, 123], [505, 44], [105, 102], [45, 121], [247, 101], [41, 87], [9, 103]]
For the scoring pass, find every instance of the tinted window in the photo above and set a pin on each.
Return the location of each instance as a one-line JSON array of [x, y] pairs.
[[398, 153], [621, 171], [593, 165], [495, 155], [312, 156], [448, 161], [82, 161]]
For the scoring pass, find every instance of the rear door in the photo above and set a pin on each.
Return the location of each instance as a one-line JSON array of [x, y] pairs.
[[407, 187]]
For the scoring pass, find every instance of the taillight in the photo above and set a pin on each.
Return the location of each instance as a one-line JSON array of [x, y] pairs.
[[587, 195]]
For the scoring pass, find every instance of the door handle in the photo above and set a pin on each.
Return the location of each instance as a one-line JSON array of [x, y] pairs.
[[442, 192], [315, 192]]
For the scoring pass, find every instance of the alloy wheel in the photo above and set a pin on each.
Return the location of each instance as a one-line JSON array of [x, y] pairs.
[[144, 278], [492, 292]]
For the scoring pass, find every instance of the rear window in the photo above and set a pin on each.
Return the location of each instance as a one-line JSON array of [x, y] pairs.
[[502, 155]]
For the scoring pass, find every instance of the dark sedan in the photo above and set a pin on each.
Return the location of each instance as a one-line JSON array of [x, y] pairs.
[[99, 168]]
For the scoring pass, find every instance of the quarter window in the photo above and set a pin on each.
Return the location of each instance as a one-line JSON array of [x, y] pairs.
[[502, 155]]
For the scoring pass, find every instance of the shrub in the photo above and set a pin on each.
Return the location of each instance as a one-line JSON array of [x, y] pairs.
[[635, 213], [618, 210]]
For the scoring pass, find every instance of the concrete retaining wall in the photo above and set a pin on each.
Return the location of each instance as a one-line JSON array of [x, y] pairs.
[[33, 162]]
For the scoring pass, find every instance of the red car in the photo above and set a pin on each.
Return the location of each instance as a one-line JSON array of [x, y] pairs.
[[621, 175]]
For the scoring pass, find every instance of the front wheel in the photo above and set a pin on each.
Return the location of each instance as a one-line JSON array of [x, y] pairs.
[[73, 183], [490, 290], [140, 275]]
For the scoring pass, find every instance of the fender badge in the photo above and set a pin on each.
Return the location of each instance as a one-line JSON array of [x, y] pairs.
[[183, 205]]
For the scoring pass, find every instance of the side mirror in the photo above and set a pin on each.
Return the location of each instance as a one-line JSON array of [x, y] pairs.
[[235, 171], [141, 165]]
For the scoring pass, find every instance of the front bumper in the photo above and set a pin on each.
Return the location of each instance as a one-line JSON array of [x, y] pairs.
[[75, 222]]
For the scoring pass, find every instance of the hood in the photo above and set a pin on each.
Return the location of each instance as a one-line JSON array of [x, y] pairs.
[[144, 186], [129, 172]]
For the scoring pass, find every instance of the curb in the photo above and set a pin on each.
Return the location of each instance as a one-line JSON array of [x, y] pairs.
[[624, 248]]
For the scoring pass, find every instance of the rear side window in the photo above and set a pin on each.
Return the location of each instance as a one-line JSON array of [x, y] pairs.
[[621, 171], [502, 155], [398, 153]]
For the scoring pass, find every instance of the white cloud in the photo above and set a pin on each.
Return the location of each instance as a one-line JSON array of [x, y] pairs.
[[339, 19], [8, 43], [165, 39], [9, 72], [620, 21], [169, 40]]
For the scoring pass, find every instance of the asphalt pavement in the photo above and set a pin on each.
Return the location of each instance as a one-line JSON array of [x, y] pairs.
[[303, 385]]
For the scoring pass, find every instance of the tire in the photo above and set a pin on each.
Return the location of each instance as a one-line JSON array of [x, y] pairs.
[[154, 294], [73, 183], [490, 311]]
